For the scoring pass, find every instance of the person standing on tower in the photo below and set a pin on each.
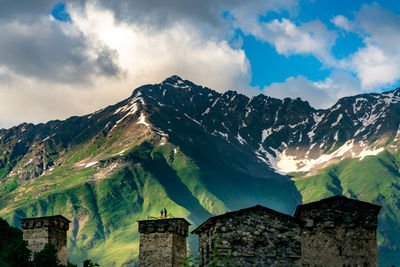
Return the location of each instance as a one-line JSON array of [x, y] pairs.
[[165, 212], [162, 212]]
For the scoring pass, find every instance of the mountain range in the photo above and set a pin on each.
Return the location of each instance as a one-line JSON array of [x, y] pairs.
[[197, 152]]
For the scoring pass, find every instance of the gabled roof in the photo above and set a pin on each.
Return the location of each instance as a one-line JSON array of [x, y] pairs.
[[336, 198], [211, 221]]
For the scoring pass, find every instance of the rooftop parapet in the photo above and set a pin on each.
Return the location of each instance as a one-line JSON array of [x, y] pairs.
[[173, 225]]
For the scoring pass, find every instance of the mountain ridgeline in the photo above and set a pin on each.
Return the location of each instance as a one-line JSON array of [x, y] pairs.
[[199, 153]]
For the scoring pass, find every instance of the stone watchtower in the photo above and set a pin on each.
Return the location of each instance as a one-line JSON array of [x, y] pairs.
[[162, 242], [43, 230], [255, 236], [339, 231]]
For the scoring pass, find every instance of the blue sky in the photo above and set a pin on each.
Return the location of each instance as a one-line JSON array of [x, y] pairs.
[[64, 58], [59, 12], [268, 66]]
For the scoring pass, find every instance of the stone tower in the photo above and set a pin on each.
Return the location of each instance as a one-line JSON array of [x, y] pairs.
[[338, 231], [162, 242], [43, 230], [255, 236]]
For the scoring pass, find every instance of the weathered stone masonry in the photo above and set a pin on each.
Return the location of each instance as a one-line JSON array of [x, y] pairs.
[[162, 242], [43, 230], [333, 232], [256, 236], [338, 232]]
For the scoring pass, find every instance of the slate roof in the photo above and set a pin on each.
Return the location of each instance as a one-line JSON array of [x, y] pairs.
[[211, 221], [335, 199]]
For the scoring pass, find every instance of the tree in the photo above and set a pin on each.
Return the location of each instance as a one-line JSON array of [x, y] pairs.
[[89, 263], [47, 257], [13, 249]]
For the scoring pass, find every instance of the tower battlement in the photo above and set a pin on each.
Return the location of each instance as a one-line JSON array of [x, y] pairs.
[[162, 242], [174, 225], [43, 230]]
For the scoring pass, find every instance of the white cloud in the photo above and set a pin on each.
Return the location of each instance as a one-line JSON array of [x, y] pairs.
[[140, 55], [312, 38], [377, 62], [376, 67], [50, 69], [320, 94], [148, 54], [51, 50], [342, 22]]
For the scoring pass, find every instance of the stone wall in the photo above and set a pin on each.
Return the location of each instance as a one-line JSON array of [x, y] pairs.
[[254, 237], [162, 242], [40, 231], [334, 232], [339, 232]]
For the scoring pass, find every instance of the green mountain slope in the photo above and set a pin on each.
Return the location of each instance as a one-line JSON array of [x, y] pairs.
[[375, 179], [198, 153], [110, 173]]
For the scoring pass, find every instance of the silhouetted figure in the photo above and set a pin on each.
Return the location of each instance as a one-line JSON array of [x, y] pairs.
[[165, 212]]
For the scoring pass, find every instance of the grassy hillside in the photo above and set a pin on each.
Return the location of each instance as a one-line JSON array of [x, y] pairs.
[[105, 200], [374, 179], [196, 152]]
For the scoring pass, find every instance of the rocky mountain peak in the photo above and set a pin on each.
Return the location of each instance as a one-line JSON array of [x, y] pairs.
[[202, 150]]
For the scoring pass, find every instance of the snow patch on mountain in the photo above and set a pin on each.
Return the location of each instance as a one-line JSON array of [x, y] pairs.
[[193, 119], [297, 124], [317, 119], [163, 141], [240, 139], [268, 158], [224, 135], [90, 164], [366, 120], [142, 120], [286, 163], [356, 106], [337, 120], [372, 152], [336, 107], [215, 102], [397, 137], [265, 133], [205, 112], [130, 109], [390, 98], [336, 137]]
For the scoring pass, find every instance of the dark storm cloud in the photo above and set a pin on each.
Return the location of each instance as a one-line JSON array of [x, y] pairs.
[[45, 51], [35, 46], [160, 13], [32, 45], [10, 9], [30, 9], [53, 69], [149, 11]]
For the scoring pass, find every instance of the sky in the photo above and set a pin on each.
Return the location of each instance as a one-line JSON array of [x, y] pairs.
[[65, 58]]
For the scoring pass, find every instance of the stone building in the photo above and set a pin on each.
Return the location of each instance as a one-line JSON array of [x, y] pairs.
[[43, 230], [339, 231], [256, 236], [162, 242], [334, 232]]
